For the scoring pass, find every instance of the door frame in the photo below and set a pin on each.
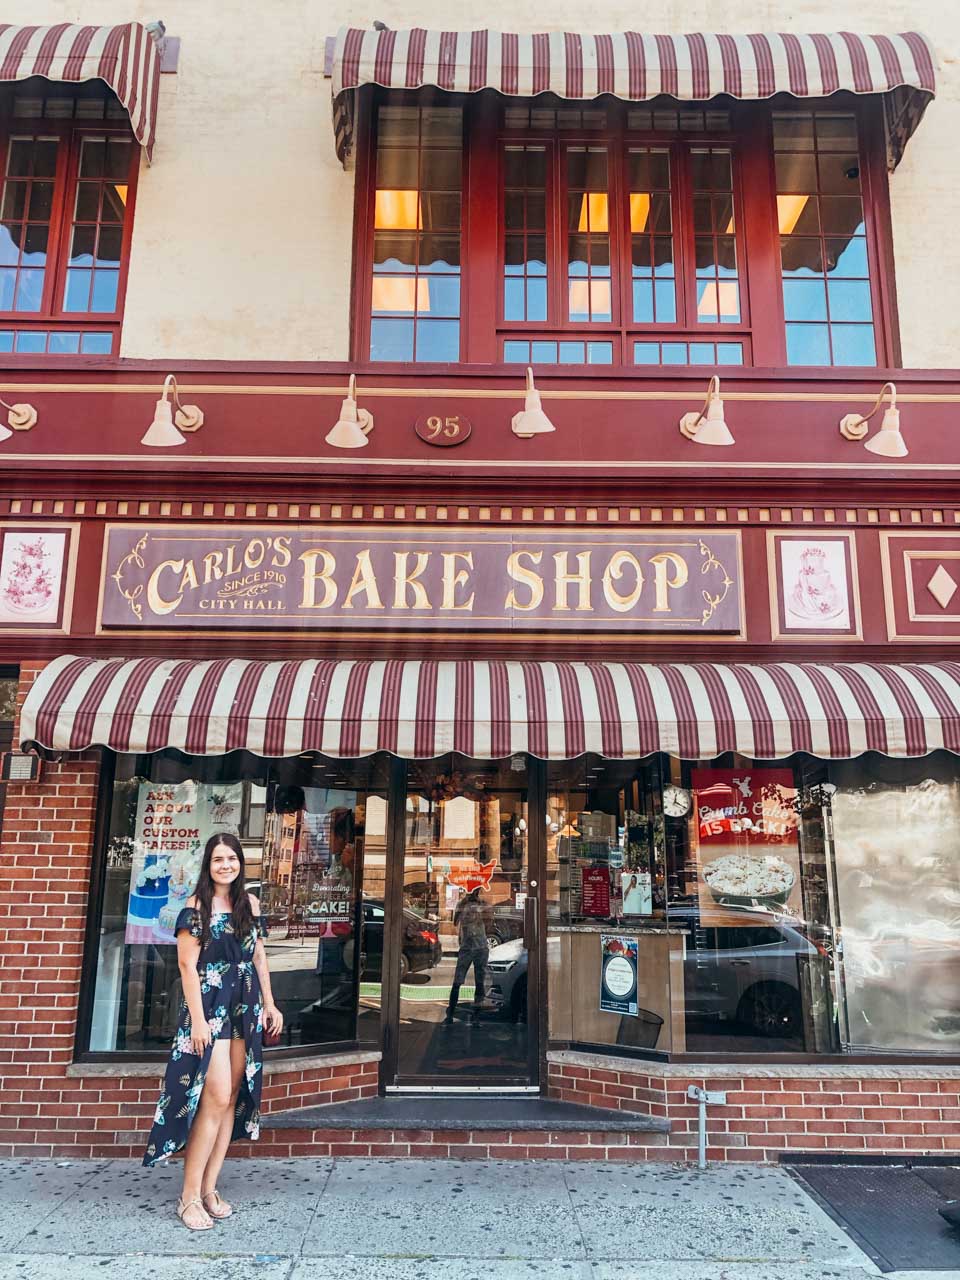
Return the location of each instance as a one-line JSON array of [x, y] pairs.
[[392, 935]]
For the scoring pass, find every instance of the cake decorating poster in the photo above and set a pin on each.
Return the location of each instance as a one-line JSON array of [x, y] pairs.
[[174, 822], [748, 841]]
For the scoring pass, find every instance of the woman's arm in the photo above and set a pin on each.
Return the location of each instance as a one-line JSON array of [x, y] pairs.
[[188, 952], [272, 1015]]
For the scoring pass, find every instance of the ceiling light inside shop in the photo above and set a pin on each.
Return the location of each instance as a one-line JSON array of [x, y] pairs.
[[401, 293], [789, 209], [639, 210], [594, 212], [398, 211]]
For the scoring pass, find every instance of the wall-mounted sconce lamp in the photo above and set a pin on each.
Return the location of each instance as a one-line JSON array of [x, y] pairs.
[[708, 426], [351, 429], [531, 420], [163, 431], [21, 417], [888, 442]]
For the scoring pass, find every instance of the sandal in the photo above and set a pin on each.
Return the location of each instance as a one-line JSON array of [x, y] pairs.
[[223, 1210], [182, 1208]]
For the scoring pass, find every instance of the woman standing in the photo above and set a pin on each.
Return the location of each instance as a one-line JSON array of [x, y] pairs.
[[211, 1093]]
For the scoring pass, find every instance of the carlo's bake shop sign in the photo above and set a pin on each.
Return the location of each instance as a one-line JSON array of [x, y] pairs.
[[190, 576]]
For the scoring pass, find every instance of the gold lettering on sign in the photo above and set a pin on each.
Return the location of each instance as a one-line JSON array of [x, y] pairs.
[[563, 579], [403, 578], [364, 580], [454, 578], [154, 599], [211, 567], [662, 581], [312, 576], [613, 573], [520, 573]]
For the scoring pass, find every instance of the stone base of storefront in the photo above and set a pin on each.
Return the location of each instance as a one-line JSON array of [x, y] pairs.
[[771, 1111]]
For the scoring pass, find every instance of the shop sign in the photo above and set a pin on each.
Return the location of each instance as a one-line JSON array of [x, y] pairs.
[[618, 974], [472, 875], [291, 577]]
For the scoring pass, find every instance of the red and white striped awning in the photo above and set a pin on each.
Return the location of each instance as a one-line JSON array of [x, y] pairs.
[[554, 710], [125, 56], [636, 67]]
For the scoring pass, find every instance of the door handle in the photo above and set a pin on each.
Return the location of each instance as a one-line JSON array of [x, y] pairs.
[[530, 924], [739, 963]]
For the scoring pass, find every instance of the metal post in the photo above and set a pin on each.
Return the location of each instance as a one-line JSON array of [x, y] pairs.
[[702, 1097]]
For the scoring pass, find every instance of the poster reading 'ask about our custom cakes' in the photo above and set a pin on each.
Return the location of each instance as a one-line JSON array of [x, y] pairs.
[[174, 822], [749, 849]]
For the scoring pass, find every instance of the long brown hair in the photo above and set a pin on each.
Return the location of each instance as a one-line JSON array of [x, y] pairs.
[[240, 910]]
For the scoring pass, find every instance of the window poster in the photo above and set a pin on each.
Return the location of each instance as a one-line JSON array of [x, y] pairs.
[[618, 974], [748, 843], [173, 824], [595, 891]]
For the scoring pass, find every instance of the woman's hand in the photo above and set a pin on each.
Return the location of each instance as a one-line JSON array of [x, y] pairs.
[[273, 1019], [200, 1036]]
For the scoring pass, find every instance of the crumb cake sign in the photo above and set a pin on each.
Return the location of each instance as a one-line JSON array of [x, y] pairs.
[[749, 853], [193, 576]]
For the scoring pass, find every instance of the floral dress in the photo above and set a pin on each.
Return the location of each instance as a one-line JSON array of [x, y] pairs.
[[233, 1006]]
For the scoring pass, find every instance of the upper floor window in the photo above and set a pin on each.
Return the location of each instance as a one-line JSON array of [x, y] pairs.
[[623, 235], [68, 163]]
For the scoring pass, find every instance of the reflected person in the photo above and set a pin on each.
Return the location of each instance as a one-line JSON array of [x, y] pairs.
[[474, 950]]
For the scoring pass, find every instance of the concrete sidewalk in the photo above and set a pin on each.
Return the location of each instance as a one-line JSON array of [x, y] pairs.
[[406, 1219]]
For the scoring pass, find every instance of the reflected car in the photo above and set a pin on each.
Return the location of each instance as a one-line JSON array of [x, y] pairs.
[[747, 974], [507, 978], [420, 944]]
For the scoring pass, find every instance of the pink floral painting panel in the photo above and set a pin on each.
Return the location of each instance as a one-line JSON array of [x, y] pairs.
[[31, 575], [814, 585]]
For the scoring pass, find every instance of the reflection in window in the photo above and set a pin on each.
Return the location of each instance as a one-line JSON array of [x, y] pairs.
[[715, 245], [710, 353], [25, 227], [589, 287], [96, 237], [651, 229], [416, 273], [564, 351], [57, 342], [525, 233], [823, 247], [301, 823]]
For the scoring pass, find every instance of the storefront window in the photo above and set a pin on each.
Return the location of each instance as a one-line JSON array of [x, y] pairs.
[[896, 845], [301, 823]]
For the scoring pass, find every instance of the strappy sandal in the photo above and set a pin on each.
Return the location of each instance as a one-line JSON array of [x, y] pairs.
[[182, 1209], [223, 1209]]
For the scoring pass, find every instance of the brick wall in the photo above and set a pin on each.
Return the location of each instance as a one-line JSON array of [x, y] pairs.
[[840, 1110]]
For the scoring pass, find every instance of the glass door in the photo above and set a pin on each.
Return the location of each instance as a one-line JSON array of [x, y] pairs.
[[465, 953]]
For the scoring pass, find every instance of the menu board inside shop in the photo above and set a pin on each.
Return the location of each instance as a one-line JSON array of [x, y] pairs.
[[196, 576]]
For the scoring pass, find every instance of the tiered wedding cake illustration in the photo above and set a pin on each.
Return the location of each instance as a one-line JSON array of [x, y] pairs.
[[815, 595]]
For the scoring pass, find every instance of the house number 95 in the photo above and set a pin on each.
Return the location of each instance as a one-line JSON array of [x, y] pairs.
[[444, 431]]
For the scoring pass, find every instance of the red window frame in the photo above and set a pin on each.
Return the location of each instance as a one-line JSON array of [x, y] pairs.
[[761, 327], [52, 317]]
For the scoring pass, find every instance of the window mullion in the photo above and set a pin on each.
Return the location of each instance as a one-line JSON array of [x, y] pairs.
[[64, 193], [684, 241]]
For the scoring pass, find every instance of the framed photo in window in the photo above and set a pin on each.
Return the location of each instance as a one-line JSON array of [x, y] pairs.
[[37, 572], [813, 585]]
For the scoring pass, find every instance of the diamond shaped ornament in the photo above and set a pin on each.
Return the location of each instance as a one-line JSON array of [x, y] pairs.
[[942, 587]]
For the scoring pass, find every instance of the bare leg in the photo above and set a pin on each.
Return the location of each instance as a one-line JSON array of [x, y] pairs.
[[238, 1062], [214, 1101]]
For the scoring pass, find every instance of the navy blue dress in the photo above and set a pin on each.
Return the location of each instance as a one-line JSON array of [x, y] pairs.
[[233, 1006]]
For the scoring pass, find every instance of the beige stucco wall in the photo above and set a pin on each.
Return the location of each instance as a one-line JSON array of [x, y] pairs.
[[242, 239]]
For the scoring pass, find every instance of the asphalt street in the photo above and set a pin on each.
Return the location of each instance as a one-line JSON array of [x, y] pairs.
[[410, 1219]]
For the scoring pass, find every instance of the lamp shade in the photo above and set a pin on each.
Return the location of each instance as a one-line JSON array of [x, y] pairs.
[[713, 428], [351, 429], [531, 420], [888, 442], [162, 434]]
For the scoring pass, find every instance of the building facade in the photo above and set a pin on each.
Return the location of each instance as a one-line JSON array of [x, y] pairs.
[[500, 468]]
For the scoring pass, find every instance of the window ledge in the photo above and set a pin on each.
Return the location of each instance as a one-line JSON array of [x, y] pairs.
[[123, 1070], [756, 1070]]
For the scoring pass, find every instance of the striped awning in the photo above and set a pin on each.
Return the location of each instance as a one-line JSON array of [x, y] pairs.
[[554, 710], [636, 67], [125, 56]]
